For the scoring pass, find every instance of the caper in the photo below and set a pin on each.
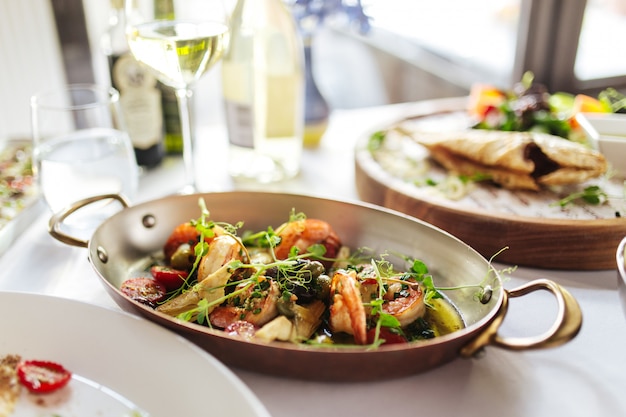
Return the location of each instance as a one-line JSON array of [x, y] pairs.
[[486, 294], [183, 258], [323, 287], [315, 267]]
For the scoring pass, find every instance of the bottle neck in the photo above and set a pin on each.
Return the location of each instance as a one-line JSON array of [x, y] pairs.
[[114, 41]]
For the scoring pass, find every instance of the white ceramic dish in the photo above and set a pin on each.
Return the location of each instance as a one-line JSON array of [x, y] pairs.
[[17, 211], [123, 366], [607, 133]]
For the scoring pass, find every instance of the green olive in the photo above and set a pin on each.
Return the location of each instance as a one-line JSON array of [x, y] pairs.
[[315, 267], [183, 258], [323, 287]]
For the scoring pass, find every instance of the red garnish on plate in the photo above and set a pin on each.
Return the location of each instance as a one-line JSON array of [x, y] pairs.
[[171, 278], [42, 377]]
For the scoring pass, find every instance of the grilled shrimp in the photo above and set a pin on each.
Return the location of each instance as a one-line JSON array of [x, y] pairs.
[[405, 301], [222, 249], [347, 313], [304, 233], [213, 274], [257, 305]]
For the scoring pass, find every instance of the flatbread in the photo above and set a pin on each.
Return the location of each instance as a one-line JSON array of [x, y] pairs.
[[515, 160]]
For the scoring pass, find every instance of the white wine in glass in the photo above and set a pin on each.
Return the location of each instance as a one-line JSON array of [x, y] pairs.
[[179, 46]]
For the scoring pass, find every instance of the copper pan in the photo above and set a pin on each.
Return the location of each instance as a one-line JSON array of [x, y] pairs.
[[126, 239]]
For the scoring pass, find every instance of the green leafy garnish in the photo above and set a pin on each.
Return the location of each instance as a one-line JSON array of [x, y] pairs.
[[263, 239], [376, 141], [591, 195]]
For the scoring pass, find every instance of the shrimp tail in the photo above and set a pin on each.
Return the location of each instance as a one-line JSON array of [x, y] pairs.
[[347, 313]]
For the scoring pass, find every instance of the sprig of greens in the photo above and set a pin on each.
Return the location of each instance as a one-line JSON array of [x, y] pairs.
[[591, 195]]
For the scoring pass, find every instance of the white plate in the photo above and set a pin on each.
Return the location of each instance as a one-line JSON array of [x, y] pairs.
[[122, 364]]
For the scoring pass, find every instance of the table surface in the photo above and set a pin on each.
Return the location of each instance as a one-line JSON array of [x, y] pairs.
[[585, 377]]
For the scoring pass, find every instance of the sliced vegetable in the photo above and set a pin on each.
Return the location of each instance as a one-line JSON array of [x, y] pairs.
[[171, 278], [389, 336], [562, 104], [42, 376], [278, 329], [587, 104], [144, 290], [483, 98]]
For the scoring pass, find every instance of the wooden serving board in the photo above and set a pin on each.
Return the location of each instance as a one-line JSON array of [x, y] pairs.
[[534, 228]]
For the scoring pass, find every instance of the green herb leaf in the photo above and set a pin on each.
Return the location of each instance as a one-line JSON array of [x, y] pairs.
[[592, 195], [376, 141], [419, 267], [387, 320]]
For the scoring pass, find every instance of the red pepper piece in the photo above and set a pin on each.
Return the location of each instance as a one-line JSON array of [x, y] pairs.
[[42, 377]]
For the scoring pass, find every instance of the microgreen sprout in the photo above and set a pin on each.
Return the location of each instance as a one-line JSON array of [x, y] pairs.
[[263, 239], [593, 195], [484, 288]]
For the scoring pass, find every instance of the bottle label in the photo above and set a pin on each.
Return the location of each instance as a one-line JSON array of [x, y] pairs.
[[140, 100], [239, 120]]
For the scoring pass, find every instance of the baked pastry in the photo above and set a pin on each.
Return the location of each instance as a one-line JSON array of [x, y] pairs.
[[515, 160]]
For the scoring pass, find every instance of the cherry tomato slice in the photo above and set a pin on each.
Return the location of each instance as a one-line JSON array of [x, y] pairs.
[[42, 377], [144, 290], [386, 334], [171, 278]]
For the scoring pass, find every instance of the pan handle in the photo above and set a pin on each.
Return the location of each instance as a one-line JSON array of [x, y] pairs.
[[565, 327], [57, 219]]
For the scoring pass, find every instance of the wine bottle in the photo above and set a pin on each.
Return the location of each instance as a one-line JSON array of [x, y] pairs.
[[263, 87], [173, 141], [140, 97]]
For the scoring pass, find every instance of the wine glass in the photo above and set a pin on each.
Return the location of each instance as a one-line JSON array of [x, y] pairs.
[[179, 40]]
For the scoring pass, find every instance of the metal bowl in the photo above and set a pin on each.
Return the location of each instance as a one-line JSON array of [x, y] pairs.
[[128, 237]]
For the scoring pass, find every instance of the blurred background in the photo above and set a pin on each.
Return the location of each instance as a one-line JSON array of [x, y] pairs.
[[413, 50]]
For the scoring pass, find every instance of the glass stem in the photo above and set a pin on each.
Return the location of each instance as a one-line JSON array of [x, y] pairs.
[[183, 96]]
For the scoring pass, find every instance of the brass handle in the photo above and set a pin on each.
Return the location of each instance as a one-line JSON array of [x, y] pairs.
[[565, 327], [57, 219]]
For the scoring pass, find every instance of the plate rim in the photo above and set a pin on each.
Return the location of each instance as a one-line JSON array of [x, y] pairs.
[[241, 391]]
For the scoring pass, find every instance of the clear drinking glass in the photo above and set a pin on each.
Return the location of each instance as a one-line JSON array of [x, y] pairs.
[[81, 148], [179, 41]]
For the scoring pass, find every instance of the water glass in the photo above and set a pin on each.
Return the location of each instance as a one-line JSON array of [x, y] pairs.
[[80, 146]]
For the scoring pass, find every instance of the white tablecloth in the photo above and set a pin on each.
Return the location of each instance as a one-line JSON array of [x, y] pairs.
[[586, 377]]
